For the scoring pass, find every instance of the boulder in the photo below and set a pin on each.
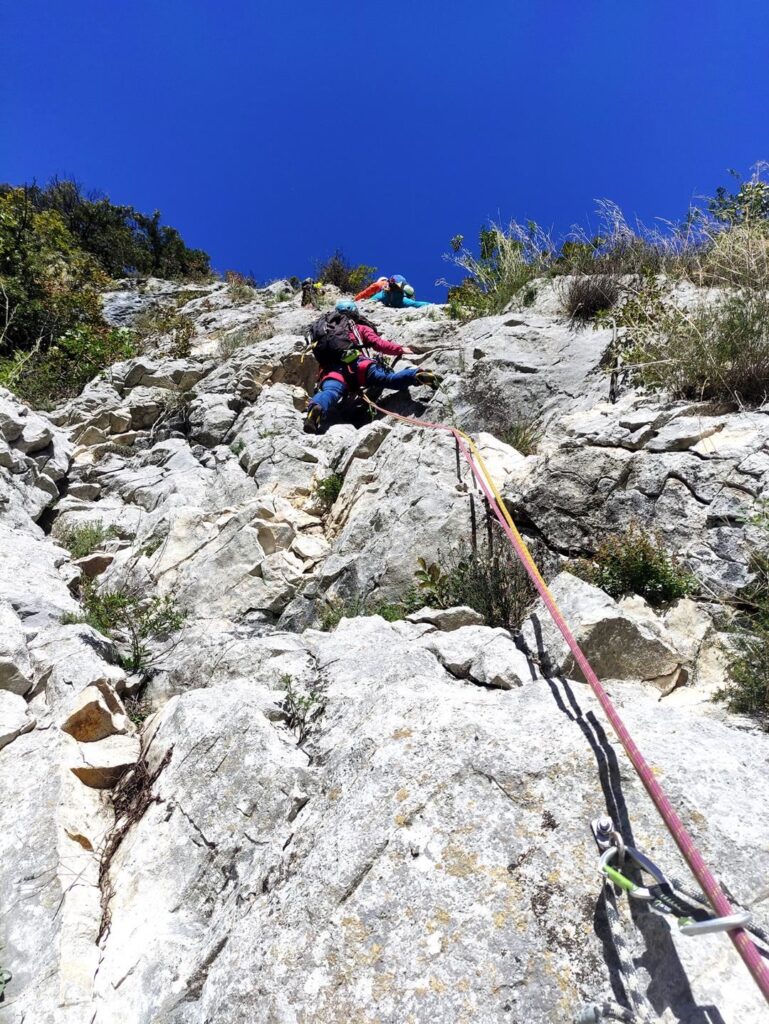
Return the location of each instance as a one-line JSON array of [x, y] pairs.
[[95, 564], [447, 619], [15, 664], [67, 659], [102, 763], [618, 643], [14, 717], [98, 712]]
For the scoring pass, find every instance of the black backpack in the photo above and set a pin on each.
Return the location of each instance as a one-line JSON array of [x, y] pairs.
[[329, 336]]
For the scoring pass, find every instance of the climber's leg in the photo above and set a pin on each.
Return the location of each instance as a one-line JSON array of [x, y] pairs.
[[331, 392]]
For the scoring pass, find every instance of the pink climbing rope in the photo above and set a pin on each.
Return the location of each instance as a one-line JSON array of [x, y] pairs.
[[742, 941]]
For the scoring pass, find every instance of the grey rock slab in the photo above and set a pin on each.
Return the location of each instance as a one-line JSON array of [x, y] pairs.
[[227, 801], [429, 864], [30, 577]]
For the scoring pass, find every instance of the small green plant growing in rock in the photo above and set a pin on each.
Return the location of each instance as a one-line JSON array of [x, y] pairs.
[[138, 707], [302, 710], [242, 337], [523, 434], [433, 583], [81, 539], [129, 618], [335, 609], [487, 577], [635, 562], [237, 446], [328, 489], [747, 691], [160, 323], [152, 546], [240, 287]]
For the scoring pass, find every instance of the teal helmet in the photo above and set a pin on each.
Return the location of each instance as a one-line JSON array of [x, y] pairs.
[[347, 306], [397, 281]]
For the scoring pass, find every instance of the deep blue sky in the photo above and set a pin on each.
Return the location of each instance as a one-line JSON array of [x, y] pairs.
[[271, 132]]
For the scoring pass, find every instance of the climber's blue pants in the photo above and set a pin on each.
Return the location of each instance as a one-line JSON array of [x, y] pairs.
[[333, 391]]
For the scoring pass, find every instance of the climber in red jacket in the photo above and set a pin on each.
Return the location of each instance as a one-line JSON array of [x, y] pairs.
[[338, 340]]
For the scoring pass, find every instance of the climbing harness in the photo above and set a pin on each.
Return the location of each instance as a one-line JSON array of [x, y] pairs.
[[712, 891]]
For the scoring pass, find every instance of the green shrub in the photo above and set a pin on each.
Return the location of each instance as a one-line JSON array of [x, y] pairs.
[[523, 434], [241, 288], [635, 562], [509, 258], [131, 619], [83, 538], [48, 285], [747, 691], [489, 578], [328, 489], [121, 239], [334, 610], [713, 352], [162, 322], [345, 276], [46, 378], [585, 297]]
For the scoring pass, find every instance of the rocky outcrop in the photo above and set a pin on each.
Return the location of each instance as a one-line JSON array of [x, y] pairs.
[[388, 821], [688, 471]]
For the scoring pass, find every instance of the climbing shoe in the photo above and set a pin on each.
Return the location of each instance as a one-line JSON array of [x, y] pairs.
[[428, 378], [312, 421]]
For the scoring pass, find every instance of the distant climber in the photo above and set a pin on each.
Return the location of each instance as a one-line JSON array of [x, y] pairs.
[[312, 292], [397, 293], [339, 340], [371, 289]]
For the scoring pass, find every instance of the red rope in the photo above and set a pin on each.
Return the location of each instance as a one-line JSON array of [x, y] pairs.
[[742, 941]]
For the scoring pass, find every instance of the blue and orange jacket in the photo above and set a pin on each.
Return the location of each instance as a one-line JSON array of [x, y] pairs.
[[395, 298]]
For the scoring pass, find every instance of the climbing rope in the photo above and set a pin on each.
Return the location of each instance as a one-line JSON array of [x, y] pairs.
[[707, 881]]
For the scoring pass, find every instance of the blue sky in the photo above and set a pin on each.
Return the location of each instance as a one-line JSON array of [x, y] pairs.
[[272, 132]]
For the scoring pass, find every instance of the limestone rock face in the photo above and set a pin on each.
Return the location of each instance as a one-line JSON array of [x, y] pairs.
[[375, 821]]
